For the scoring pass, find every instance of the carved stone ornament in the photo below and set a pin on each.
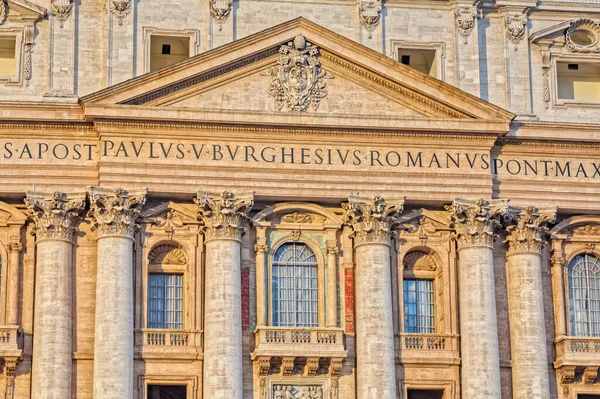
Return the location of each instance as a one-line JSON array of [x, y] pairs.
[[419, 260], [10, 372], [61, 9], [170, 222], [528, 233], [372, 219], [298, 80], [566, 374], [587, 230], [3, 11], [474, 222], [369, 14], [115, 210], [465, 20], [583, 36], [220, 11], [224, 216], [297, 392], [296, 217], [120, 9], [515, 27], [167, 254], [55, 214], [15, 247], [589, 375]]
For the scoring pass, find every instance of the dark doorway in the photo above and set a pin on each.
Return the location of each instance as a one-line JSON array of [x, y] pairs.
[[584, 396], [166, 392], [425, 394]]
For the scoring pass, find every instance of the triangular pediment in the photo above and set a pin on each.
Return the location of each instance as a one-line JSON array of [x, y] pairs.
[[16, 10], [352, 80]]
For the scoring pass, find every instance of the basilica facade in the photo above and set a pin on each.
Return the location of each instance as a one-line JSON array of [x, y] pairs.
[[292, 199]]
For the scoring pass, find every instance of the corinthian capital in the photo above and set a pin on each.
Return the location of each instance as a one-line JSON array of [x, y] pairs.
[[55, 214], [224, 215], [115, 210], [475, 222], [528, 228], [372, 219]]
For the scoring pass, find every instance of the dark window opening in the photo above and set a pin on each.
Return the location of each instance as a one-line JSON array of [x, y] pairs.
[[574, 67], [166, 49], [425, 394], [167, 392], [405, 59], [588, 396]]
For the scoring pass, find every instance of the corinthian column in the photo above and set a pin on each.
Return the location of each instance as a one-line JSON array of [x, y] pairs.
[[223, 218], [55, 216], [474, 223], [114, 213], [526, 302], [372, 220]]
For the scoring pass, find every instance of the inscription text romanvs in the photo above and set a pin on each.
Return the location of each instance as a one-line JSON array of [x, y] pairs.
[[205, 153]]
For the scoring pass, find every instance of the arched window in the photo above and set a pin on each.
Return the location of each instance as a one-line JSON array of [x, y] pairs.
[[294, 286], [584, 295]]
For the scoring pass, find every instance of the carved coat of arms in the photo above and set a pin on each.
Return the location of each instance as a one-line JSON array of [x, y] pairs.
[[298, 80]]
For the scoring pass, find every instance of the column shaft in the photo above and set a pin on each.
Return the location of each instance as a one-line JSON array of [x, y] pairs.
[[53, 321], [13, 285], [527, 327], [222, 321], [375, 373], [331, 287], [113, 345], [478, 325]]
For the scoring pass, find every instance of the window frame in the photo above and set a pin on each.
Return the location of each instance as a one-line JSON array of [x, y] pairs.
[[558, 58], [17, 34], [165, 298], [438, 47], [433, 291], [320, 278], [189, 381], [566, 288], [148, 32]]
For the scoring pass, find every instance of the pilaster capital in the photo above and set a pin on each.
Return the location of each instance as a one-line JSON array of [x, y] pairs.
[[372, 219], [15, 247], [115, 210], [557, 259], [54, 214], [332, 250], [475, 222], [224, 215], [260, 248], [527, 232]]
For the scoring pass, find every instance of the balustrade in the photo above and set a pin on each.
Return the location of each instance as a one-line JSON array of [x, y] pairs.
[[276, 341], [155, 343], [577, 351], [428, 348]]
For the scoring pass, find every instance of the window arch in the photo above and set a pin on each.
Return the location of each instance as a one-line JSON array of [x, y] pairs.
[[294, 282], [584, 295]]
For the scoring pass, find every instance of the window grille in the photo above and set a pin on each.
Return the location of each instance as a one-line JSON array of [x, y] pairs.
[[419, 311], [294, 286], [165, 301], [584, 296]]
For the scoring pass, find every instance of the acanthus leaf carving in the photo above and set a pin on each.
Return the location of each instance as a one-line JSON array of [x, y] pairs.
[[56, 214], [369, 14], [528, 230], [220, 11], [120, 9], [475, 222], [515, 27], [61, 9], [298, 79], [465, 20], [115, 210], [372, 219], [224, 216]]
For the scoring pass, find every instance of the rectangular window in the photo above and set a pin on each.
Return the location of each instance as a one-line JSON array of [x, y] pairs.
[[168, 50], [422, 60], [167, 392], [165, 301], [578, 81], [8, 47], [425, 394], [419, 313]]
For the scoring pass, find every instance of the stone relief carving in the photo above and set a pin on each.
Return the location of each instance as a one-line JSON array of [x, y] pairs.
[[3, 11], [297, 392], [115, 211], [546, 64], [465, 20], [515, 27], [372, 219], [167, 255], [583, 36], [475, 222], [369, 14], [296, 217], [10, 373], [224, 216], [170, 222], [61, 9], [220, 11], [55, 214], [120, 9], [528, 233], [298, 80], [589, 375], [587, 230], [419, 260]]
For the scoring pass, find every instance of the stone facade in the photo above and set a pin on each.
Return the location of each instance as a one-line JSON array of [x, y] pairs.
[[295, 126]]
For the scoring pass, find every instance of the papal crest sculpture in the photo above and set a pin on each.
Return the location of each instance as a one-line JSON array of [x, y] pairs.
[[298, 80]]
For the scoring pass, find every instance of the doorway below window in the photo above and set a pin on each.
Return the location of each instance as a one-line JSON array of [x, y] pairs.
[[425, 394], [167, 392]]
